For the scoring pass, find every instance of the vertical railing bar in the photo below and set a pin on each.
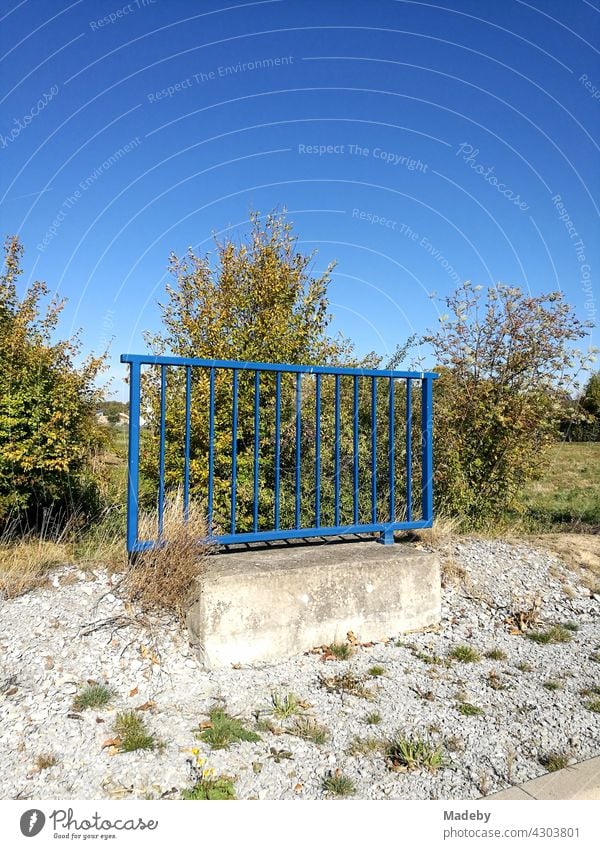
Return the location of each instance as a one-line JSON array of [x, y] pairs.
[[337, 451], [355, 453], [392, 452], [211, 449], [427, 450], [256, 446], [298, 434], [373, 450], [408, 449], [318, 451], [186, 450], [134, 455], [161, 461], [277, 445], [234, 424]]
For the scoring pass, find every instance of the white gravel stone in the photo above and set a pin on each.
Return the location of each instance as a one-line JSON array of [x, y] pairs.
[[148, 659]]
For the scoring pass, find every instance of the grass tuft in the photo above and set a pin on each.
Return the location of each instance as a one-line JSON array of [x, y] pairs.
[[365, 745], [408, 753], [551, 684], [45, 761], [93, 696], [373, 718], [285, 706], [465, 654], [495, 654], [132, 732], [554, 761], [341, 651], [467, 709], [347, 682], [593, 704], [376, 671], [556, 634], [337, 784], [225, 730], [309, 729]]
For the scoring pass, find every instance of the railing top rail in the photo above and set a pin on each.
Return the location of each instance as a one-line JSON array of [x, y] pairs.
[[244, 365]]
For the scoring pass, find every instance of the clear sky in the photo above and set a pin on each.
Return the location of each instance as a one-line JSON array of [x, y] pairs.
[[418, 144]]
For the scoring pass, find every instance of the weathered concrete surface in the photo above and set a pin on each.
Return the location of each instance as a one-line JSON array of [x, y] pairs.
[[267, 605], [580, 781]]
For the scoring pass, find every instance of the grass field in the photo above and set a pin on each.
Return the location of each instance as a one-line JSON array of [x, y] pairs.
[[569, 491]]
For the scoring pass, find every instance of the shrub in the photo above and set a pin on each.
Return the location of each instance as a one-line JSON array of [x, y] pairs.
[[48, 428], [504, 368]]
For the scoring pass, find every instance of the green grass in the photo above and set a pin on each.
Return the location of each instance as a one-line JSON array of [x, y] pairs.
[[309, 729], [336, 784], [225, 730], [376, 671], [524, 667], [341, 651], [571, 626], [93, 696], [554, 761], [567, 493], [552, 685], [465, 654], [593, 704], [408, 753], [373, 718], [132, 732], [556, 634], [285, 706], [211, 788], [467, 709], [495, 654]]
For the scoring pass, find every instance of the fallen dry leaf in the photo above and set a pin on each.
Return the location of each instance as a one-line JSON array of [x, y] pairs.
[[133, 692], [99, 719], [111, 742], [236, 665], [147, 705], [206, 724]]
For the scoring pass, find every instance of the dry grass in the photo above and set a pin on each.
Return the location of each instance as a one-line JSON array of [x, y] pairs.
[[443, 530], [581, 552], [164, 578], [25, 563]]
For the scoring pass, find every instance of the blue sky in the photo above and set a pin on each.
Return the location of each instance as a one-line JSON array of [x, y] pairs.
[[417, 144]]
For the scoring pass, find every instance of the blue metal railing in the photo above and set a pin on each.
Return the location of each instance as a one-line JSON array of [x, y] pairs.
[[266, 528]]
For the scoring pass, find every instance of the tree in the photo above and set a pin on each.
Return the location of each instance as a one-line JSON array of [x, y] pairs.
[[504, 365], [47, 406], [258, 301]]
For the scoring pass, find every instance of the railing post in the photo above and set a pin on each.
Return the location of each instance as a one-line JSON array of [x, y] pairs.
[[427, 449], [134, 454]]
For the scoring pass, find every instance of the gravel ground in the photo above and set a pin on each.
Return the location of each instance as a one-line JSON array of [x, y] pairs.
[[54, 640]]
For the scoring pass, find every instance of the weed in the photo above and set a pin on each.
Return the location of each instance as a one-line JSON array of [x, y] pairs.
[[551, 684], [206, 784], [364, 745], [429, 659], [406, 753], [164, 577], [341, 651], [132, 732], [309, 729], [285, 706], [467, 709], [26, 562], [347, 682], [554, 761], [495, 681], [376, 671], [93, 696], [593, 704], [571, 626], [455, 744], [556, 634], [337, 784], [373, 719], [524, 667], [466, 654], [495, 654], [45, 761], [595, 656], [590, 691], [224, 730]]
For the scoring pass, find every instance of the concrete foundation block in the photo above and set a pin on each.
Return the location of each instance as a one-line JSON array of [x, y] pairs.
[[262, 606]]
